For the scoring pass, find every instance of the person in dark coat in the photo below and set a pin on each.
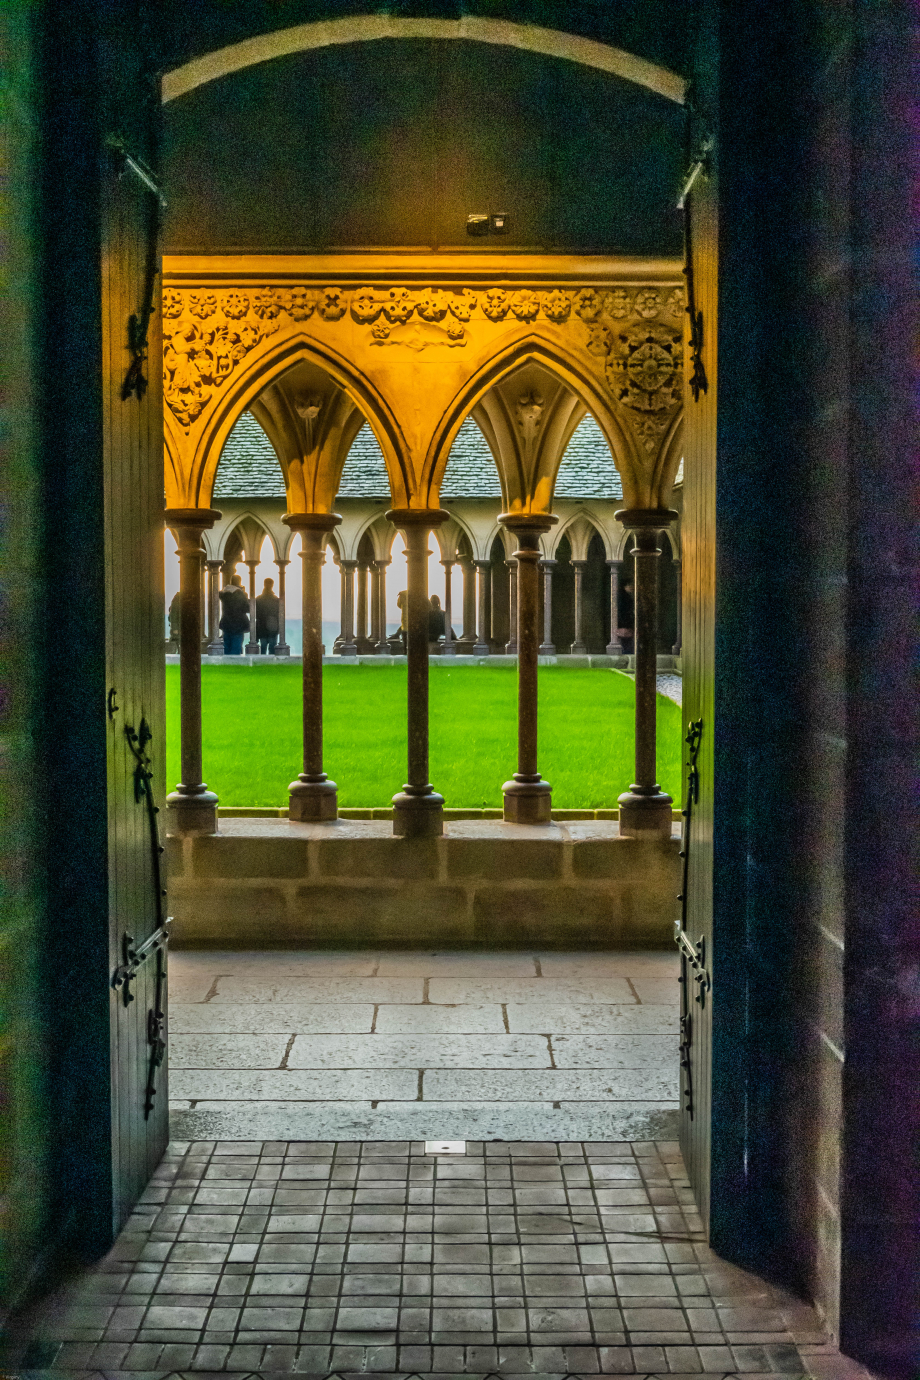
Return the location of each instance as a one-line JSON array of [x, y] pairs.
[[436, 623], [234, 617], [175, 620], [626, 617], [268, 619]]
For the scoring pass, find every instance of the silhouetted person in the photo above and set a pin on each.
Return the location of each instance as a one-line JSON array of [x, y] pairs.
[[402, 603], [175, 618], [436, 624], [234, 617], [626, 617], [268, 619]]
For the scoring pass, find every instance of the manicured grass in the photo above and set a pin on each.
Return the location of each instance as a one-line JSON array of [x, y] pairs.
[[252, 733]]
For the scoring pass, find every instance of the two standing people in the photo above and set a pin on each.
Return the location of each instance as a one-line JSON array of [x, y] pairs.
[[235, 622]]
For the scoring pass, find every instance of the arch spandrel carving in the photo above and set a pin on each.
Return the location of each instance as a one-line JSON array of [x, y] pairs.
[[418, 348], [311, 423]]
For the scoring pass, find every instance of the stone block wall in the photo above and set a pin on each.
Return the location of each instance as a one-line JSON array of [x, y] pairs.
[[271, 884]]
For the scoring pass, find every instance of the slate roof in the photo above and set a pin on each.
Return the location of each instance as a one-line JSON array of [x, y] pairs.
[[364, 474], [587, 469], [249, 468]]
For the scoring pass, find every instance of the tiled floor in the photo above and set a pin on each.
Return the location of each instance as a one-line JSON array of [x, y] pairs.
[[319, 1258], [390, 1046]]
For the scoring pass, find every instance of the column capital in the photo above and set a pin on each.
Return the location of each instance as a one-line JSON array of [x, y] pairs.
[[311, 522], [347, 564], [616, 563], [213, 565], [579, 565], [407, 518], [189, 523], [383, 563], [652, 519], [282, 561], [548, 563], [483, 565]]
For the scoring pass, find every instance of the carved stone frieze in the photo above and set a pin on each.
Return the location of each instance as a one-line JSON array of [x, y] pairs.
[[634, 333]]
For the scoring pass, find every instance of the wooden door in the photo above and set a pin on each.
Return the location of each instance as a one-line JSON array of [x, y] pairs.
[[134, 631], [698, 533]]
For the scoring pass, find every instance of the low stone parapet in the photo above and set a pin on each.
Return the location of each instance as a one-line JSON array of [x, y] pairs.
[[274, 884]]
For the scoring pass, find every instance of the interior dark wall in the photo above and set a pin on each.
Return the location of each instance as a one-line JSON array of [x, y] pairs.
[[395, 142]]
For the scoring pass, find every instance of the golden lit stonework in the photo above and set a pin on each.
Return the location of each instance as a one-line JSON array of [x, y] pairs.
[[415, 342]]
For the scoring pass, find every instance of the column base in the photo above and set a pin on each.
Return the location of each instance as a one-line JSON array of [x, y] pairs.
[[314, 799], [418, 816], [191, 810], [578, 649], [252, 649], [345, 649], [614, 649], [448, 649], [527, 800], [546, 649], [282, 649], [482, 649], [215, 649], [395, 646], [645, 816], [511, 649]]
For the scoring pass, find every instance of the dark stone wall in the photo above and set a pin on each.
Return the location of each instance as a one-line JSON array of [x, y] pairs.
[[815, 900], [395, 142]]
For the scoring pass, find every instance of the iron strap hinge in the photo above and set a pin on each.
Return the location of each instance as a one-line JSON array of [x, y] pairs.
[[133, 956]]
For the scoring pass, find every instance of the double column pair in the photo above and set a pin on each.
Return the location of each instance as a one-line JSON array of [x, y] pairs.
[[417, 809]]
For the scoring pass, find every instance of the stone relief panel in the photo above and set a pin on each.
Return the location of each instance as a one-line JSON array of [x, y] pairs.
[[633, 333]]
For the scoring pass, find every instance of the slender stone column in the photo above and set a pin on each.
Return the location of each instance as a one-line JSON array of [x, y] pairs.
[[281, 646], [547, 646], [645, 810], [511, 645], [252, 646], [527, 797], [468, 636], [482, 647], [418, 811], [313, 796], [680, 607], [614, 646], [215, 643], [578, 646], [192, 807], [450, 646], [375, 607], [362, 642], [380, 571], [346, 646]]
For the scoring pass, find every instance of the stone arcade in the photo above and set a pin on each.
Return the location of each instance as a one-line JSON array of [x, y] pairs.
[[692, 222]]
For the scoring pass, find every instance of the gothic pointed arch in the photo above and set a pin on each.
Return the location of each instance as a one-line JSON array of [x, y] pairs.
[[196, 437]]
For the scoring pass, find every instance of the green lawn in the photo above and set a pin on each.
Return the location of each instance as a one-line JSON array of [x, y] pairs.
[[252, 729]]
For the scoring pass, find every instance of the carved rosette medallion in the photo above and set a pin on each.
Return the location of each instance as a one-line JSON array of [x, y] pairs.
[[633, 333]]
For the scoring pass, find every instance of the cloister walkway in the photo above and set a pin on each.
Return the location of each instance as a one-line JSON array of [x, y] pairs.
[[391, 1046]]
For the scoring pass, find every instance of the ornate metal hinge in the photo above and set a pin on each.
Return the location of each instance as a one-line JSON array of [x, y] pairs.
[[692, 956], [133, 957], [698, 382], [135, 382]]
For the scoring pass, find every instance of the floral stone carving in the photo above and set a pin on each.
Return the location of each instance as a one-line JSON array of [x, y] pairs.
[[206, 333]]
